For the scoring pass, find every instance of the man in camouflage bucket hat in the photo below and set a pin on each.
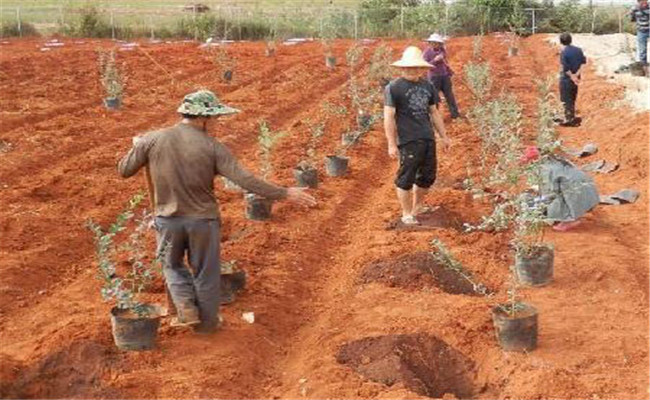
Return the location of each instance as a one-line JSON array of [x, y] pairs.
[[183, 161], [204, 103]]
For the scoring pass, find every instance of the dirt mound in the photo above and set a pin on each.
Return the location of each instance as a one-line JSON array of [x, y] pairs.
[[423, 363], [417, 271]]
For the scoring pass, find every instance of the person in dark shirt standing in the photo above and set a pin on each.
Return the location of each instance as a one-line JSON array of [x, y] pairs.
[[409, 111], [440, 74], [183, 160], [572, 58], [641, 15]]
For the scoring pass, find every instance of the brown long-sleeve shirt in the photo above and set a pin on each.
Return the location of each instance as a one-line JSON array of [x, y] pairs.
[[183, 161]]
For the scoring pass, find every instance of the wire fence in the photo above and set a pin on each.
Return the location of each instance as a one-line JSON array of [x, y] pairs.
[[250, 21]]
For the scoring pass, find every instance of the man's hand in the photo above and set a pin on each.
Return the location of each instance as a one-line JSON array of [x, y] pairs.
[[299, 196], [576, 79], [392, 151], [446, 142]]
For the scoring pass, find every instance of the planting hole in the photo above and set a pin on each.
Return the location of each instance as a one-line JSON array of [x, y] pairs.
[[423, 363], [417, 271]]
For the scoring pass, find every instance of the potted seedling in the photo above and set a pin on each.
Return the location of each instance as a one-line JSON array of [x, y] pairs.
[[233, 280], [270, 46], [358, 92], [270, 42], [339, 112], [517, 22], [533, 257], [258, 208], [328, 35], [125, 274], [380, 70], [513, 44], [225, 62], [337, 164], [306, 173], [111, 78], [515, 322], [330, 60]]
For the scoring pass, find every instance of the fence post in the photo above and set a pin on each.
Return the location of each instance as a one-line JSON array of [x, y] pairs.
[[320, 25], [356, 25], [112, 24], [153, 36], [446, 19], [239, 14], [401, 20], [534, 26], [593, 19], [20, 24], [61, 16], [196, 28], [620, 22]]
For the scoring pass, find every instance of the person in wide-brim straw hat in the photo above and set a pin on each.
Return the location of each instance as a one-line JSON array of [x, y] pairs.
[[435, 38], [412, 58], [440, 73], [410, 109], [182, 161]]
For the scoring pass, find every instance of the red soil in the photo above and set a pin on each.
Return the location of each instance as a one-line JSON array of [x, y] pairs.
[[304, 265]]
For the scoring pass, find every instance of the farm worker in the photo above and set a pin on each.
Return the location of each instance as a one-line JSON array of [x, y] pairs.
[[440, 74], [568, 191], [571, 58], [183, 160], [641, 15], [410, 107]]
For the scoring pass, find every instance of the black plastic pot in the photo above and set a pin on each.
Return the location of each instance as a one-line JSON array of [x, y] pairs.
[[227, 75], [516, 332], [336, 165], [330, 61], [535, 268], [258, 208], [306, 176], [637, 69], [131, 332], [231, 284], [513, 51], [112, 103]]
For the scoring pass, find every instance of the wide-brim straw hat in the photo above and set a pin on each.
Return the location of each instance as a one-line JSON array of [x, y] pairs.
[[204, 103], [435, 38], [412, 58]]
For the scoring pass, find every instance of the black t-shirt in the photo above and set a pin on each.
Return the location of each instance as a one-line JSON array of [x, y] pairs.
[[412, 101]]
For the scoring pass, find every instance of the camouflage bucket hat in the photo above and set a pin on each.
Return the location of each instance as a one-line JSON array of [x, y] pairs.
[[204, 103]]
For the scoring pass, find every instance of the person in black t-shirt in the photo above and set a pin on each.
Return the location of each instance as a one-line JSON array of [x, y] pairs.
[[410, 108]]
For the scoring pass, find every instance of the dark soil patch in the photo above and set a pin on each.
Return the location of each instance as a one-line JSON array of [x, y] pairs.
[[422, 362], [417, 271], [438, 218], [75, 371]]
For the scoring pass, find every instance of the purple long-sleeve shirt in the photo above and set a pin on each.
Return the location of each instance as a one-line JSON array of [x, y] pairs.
[[440, 67]]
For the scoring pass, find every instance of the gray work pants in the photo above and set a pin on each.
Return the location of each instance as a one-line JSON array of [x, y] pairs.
[[198, 285]]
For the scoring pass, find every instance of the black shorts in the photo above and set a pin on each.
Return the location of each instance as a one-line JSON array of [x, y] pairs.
[[417, 164]]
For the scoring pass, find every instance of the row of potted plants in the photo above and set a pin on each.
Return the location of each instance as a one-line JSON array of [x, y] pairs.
[[511, 186]]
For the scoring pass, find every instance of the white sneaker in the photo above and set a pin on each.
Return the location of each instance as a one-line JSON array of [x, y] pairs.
[[409, 220]]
